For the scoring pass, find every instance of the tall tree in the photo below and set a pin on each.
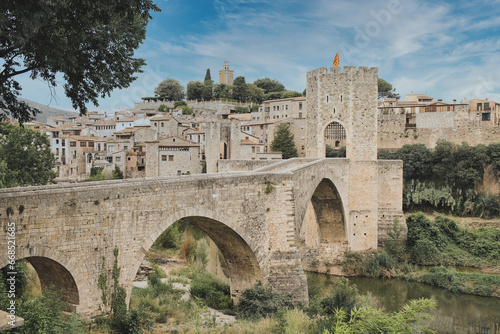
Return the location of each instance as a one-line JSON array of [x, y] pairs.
[[283, 141], [208, 87], [25, 157], [240, 89], [255, 93], [385, 90], [269, 85], [91, 44], [208, 77], [194, 90], [170, 89], [222, 91]]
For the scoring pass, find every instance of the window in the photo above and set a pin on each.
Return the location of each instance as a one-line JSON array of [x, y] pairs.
[[57, 141], [156, 124], [83, 144], [162, 124], [72, 144], [111, 148], [303, 147], [63, 142], [57, 151], [170, 158], [91, 144], [110, 159], [163, 158], [300, 105], [253, 149], [300, 115], [118, 159]]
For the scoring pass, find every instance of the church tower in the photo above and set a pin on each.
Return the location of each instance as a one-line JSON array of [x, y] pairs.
[[226, 75]]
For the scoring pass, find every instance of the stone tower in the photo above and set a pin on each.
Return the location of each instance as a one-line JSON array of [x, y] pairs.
[[222, 141], [226, 75], [349, 99]]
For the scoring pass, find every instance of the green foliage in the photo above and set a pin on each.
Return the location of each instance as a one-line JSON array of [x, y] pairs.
[[385, 90], [186, 110], [461, 282], [334, 153], [25, 157], [222, 91], [170, 238], [93, 54], [208, 85], [194, 90], [21, 277], [122, 321], [170, 89], [255, 94], [241, 110], [378, 261], [344, 296], [163, 108], [260, 302], [268, 85], [411, 319], [240, 89], [117, 173], [384, 154], [269, 188], [44, 314], [283, 141], [417, 161], [443, 241], [4, 299], [178, 104], [394, 245], [200, 253], [211, 291]]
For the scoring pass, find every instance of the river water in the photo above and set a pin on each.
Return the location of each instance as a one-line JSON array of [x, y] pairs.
[[456, 313]]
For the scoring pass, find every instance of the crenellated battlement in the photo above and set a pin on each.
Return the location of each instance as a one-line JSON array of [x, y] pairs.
[[349, 71]]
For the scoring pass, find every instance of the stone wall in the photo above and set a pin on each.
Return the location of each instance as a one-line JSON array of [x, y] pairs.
[[242, 165], [432, 127], [349, 98]]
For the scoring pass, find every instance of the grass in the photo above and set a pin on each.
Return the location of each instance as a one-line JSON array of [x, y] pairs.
[[461, 282]]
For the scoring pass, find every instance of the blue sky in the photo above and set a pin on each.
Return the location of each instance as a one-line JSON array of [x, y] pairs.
[[447, 49]]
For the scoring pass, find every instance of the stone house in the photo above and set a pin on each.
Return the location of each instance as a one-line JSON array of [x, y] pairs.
[[172, 156]]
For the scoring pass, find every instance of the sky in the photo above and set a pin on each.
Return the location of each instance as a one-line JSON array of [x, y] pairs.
[[446, 49]]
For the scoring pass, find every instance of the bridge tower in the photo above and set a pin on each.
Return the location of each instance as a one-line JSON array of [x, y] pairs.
[[349, 101]]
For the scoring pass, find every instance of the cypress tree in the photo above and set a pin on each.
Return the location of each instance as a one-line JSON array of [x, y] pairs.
[[283, 141]]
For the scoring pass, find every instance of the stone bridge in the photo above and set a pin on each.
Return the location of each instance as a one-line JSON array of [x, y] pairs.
[[270, 223]]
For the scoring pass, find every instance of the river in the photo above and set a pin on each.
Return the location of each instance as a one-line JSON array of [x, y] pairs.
[[456, 313]]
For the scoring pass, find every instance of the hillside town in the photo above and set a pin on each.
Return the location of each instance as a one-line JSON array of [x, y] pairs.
[[156, 138]]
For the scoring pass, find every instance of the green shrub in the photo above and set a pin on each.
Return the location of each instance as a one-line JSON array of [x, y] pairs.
[[170, 238], [212, 291], [424, 252], [260, 302], [344, 296]]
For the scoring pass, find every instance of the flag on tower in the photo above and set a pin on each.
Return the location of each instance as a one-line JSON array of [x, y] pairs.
[[336, 61]]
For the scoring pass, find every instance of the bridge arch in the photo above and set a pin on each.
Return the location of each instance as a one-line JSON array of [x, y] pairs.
[[238, 252], [53, 272], [325, 225]]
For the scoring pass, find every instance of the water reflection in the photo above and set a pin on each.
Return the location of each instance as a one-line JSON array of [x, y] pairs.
[[456, 313]]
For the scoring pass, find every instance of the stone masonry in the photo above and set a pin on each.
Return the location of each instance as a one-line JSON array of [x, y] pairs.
[[270, 221]]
